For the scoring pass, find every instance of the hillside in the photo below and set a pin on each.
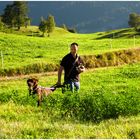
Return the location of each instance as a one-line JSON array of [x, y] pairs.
[[34, 31], [26, 52], [108, 104]]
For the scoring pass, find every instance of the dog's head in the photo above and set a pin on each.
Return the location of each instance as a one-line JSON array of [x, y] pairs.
[[32, 82]]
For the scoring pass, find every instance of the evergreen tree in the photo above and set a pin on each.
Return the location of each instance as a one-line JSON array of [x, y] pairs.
[[43, 26], [50, 24], [20, 13], [15, 14], [27, 22]]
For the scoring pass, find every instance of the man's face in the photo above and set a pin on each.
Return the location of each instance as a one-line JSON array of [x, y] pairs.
[[73, 49]]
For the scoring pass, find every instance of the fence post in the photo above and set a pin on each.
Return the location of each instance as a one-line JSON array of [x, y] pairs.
[[2, 60], [111, 43], [134, 42]]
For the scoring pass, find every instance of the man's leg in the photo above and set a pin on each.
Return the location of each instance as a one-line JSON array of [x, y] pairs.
[[70, 85], [77, 86]]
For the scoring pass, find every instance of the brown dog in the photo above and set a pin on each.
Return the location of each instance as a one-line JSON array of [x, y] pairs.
[[40, 91]]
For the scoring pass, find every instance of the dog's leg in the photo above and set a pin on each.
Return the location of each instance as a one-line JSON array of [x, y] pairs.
[[30, 92], [38, 103], [39, 99]]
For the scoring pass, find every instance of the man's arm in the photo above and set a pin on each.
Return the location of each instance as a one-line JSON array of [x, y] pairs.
[[59, 75]]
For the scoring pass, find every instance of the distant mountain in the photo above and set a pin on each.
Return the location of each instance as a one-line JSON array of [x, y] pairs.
[[85, 16]]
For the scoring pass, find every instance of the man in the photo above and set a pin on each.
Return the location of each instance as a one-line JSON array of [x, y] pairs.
[[72, 65]]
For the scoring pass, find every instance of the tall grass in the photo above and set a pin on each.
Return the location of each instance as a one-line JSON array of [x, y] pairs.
[[110, 93], [103, 95], [107, 106]]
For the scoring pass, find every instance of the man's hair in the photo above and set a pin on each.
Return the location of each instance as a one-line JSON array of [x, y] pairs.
[[74, 43]]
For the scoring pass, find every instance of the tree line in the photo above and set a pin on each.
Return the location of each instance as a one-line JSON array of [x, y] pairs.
[[15, 15]]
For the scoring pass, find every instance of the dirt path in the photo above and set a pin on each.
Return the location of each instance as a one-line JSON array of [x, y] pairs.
[[37, 75], [27, 76]]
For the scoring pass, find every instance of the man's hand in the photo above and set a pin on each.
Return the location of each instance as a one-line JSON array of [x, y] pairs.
[[81, 69]]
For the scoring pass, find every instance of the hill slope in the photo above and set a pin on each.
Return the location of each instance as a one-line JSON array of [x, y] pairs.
[[27, 53]]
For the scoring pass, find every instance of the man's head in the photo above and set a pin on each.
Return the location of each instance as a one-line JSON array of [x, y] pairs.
[[73, 48]]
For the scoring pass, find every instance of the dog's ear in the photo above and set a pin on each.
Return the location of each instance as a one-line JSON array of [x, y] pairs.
[[29, 82], [32, 81], [35, 81]]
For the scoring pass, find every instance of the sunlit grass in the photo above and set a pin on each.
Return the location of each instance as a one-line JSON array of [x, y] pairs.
[[21, 118], [106, 107], [21, 50]]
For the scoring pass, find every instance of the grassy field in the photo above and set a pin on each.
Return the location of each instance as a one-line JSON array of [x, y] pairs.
[[33, 123], [107, 106], [26, 50]]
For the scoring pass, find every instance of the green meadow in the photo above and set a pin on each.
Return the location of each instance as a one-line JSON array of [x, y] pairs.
[[107, 106], [21, 50]]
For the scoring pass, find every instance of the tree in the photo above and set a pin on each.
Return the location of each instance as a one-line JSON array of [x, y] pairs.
[[43, 26], [8, 16], [47, 25], [50, 24], [1, 24], [134, 21], [27, 22], [20, 13], [15, 14]]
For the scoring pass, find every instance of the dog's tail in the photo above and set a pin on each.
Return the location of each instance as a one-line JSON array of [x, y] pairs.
[[54, 87]]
